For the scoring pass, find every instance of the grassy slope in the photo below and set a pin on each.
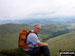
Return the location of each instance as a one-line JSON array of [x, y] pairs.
[[9, 38], [48, 30], [9, 34], [64, 42]]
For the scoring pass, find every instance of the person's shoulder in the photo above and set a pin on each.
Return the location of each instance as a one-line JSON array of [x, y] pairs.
[[32, 34]]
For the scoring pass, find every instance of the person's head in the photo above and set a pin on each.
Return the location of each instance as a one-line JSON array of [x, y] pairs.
[[37, 28]]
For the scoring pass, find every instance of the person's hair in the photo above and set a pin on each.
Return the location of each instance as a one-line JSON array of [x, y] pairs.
[[36, 25]]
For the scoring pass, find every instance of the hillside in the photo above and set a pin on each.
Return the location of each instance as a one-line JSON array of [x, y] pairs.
[[9, 33], [64, 42], [52, 30]]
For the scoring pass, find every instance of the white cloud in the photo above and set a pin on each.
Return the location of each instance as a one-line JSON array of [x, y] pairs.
[[17, 9]]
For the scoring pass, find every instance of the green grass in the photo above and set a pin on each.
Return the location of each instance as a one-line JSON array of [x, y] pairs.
[[64, 42], [9, 34], [13, 52]]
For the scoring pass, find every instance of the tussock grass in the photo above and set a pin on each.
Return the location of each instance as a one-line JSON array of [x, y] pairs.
[[13, 52]]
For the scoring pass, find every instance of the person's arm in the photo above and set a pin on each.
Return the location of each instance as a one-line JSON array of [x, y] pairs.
[[34, 39], [42, 44]]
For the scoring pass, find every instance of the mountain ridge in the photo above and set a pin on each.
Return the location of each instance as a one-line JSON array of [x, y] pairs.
[[66, 20]]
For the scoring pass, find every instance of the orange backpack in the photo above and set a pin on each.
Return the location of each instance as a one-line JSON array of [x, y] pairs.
[[22, 38]]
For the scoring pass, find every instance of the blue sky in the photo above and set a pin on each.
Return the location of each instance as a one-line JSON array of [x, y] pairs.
[[24, 9]]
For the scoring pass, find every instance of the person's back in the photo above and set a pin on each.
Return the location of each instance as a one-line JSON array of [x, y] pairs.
[[36, 47], [32, 39]]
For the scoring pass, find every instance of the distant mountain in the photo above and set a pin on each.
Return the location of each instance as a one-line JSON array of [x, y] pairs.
[[64, 42], [58, 21], [30, 21]]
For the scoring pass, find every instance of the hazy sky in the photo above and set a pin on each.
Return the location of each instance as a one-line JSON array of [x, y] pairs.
[[23, 9]]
